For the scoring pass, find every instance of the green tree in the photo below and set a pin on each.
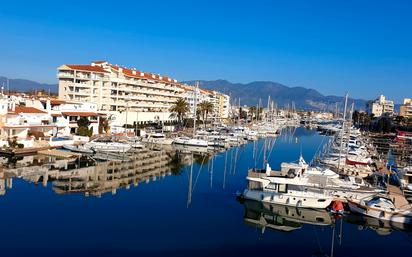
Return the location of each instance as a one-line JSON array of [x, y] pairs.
[[83, 122], [180, 108], [384, 125], [83, 127]]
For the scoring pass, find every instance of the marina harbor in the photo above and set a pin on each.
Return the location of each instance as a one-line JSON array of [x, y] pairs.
[[264, 185], [206, 128], [198, 165]]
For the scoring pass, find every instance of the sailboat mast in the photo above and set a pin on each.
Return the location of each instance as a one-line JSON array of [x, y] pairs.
[[350, 127], [267, 115], [195, 108], [240, 114], [264, 153], [343, 131]]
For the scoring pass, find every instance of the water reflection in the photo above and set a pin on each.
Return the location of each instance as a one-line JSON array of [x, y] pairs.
[[381, 227], [281, 217], [92, 177], [214, 225]]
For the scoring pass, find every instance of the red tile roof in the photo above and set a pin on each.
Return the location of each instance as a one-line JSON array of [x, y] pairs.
[[126, 71], [24, 109], [54, 101], [86, 68], [146, 75], [57, 101]]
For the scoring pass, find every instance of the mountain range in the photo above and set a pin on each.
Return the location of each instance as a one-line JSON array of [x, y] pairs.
[[283, 96], [249, 94], [24, 85]]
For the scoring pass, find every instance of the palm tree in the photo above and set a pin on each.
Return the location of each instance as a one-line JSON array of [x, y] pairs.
[[104, 126], [252, 111], [205, 108], [180, 108]]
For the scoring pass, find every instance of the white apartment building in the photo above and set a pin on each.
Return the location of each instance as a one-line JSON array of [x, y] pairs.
[[224, 106], [406, 108], [126, 93], [380, 106], [221, 102]]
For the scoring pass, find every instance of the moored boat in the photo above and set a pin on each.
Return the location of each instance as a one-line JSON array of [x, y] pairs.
[[381, 207], [78, 149]]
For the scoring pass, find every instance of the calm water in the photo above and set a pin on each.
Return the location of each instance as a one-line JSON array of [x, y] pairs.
[[159, 216]]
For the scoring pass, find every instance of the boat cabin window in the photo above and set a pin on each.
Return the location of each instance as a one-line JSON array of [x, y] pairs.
[[272, 186], [282, 188]]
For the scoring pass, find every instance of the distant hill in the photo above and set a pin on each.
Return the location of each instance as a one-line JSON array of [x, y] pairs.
[[303, 98], [249, 94], [24, 85]]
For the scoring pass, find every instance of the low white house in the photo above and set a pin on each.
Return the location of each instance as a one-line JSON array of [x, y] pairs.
[[20, 121], [65, 114]]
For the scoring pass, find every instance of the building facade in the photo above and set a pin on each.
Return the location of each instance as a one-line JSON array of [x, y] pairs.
[[380, 106], [126, 92], [220, 102], [127, 95], [406, 108]]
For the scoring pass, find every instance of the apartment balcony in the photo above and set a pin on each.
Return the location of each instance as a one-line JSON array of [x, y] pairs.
[[144, 83], [143, 91], [81, 92], [96, 77], [83, 76], [65, 75], [82, 84], [131, 98]]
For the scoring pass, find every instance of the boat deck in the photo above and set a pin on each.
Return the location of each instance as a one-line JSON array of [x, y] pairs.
[[58, 153], [398, 198]]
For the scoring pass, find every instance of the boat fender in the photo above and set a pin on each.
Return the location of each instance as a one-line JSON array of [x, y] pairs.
[[337, 207]]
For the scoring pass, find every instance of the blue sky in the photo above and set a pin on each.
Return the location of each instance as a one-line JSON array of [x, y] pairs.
[[364, 47]]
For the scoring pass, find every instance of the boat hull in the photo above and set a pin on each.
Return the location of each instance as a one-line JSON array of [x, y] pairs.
[[306, 201], [379, 214]]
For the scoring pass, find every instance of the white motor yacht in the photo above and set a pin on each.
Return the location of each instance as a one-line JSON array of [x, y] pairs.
[[158, 138], [190, 141], [106, 145], [272, 187]]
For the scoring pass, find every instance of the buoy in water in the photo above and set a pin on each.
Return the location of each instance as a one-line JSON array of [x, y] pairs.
[[337, 207]]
